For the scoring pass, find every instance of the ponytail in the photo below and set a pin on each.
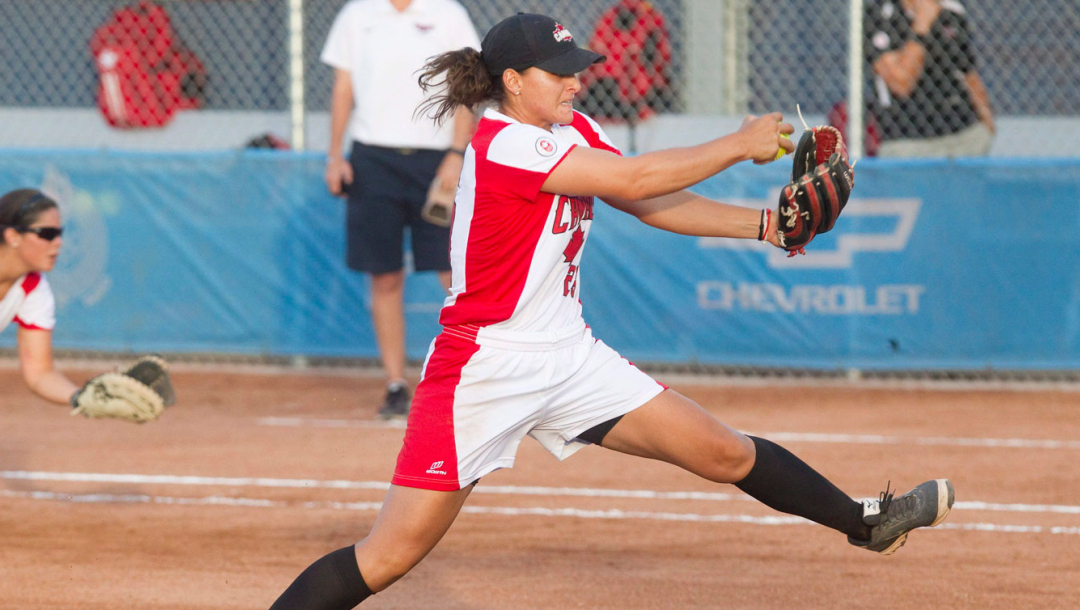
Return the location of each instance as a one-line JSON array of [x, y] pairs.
[[464, 81]]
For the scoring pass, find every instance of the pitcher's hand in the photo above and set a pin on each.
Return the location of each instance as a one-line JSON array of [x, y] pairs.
[[762, 136]]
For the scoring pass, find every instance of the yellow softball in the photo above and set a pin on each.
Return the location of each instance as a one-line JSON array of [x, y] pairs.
[[781, 152]]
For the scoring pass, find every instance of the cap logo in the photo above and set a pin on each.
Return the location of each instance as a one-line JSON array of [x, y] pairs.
[[562, 34]]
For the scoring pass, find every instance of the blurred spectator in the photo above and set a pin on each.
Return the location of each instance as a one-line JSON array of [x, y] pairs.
[[145, 72], [838, 118], [377, 49], [635, 81], [928, 96]]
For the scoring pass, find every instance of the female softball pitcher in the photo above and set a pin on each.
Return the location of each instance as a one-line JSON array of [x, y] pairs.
[[30, 222], [515, 356]]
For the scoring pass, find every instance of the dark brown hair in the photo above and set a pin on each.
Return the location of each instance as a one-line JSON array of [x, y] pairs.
[[20, 208], [466, 80]]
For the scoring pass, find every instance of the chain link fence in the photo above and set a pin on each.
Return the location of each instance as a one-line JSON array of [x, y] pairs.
[[215, 74]]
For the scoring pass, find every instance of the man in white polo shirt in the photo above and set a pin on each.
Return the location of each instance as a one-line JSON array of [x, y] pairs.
[[376, 48]]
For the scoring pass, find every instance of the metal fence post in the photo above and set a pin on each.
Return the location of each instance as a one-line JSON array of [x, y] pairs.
[[704, 89], [856, 111], [296, 73], [736, 58]]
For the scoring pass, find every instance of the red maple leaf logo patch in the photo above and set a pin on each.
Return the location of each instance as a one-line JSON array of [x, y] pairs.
[[572, 248]]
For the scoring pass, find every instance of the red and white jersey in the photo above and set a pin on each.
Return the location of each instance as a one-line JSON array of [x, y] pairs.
[[29, 303], [516, 250]]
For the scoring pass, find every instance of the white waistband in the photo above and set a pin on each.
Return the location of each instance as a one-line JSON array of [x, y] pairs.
[[536, 341]]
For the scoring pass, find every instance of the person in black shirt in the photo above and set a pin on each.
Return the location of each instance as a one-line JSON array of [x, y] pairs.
[[928, 96]]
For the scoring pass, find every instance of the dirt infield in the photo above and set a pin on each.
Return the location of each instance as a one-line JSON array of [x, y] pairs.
[[222, 502]]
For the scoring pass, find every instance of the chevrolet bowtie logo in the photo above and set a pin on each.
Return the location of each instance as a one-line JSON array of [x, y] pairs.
[[848, 242]]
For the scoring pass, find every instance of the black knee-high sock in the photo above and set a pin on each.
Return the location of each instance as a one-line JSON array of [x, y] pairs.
[[331, 583], [785, 483]]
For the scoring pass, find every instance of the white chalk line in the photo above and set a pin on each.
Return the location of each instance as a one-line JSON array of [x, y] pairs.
[[169, 479], [613, 514], [586, 492], [301, 367], [304, 422], [876, 439], [803, 437]]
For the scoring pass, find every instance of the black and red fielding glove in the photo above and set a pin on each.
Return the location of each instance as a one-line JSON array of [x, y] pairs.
[[821, 182]]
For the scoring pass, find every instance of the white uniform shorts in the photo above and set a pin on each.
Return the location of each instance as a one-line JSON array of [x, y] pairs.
[[483, 390]]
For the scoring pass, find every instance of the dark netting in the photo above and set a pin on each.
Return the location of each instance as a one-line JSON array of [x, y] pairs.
[[212, 75]]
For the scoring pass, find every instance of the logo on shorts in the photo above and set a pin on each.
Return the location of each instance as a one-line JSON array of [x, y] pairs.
[[435, 466], [546, 146]]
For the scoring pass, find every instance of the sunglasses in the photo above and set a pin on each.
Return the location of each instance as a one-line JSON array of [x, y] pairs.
[[46, 233]]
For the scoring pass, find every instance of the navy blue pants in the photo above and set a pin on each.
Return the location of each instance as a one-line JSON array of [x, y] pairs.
[[388, 191]]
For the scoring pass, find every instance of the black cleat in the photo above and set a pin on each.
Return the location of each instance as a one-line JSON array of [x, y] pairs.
[[396, 404], [891, 519]]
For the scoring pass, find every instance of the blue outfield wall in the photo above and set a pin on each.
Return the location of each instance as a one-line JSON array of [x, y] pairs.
[[935, 264]]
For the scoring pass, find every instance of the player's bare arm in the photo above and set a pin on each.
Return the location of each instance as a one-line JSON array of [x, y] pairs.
[[901, 69], [36, 363], [338, 170], [687, 213], [980, 99], [592, 172], [450, 169]]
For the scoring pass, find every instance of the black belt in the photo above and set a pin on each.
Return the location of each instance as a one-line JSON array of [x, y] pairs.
[[400, 150]]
